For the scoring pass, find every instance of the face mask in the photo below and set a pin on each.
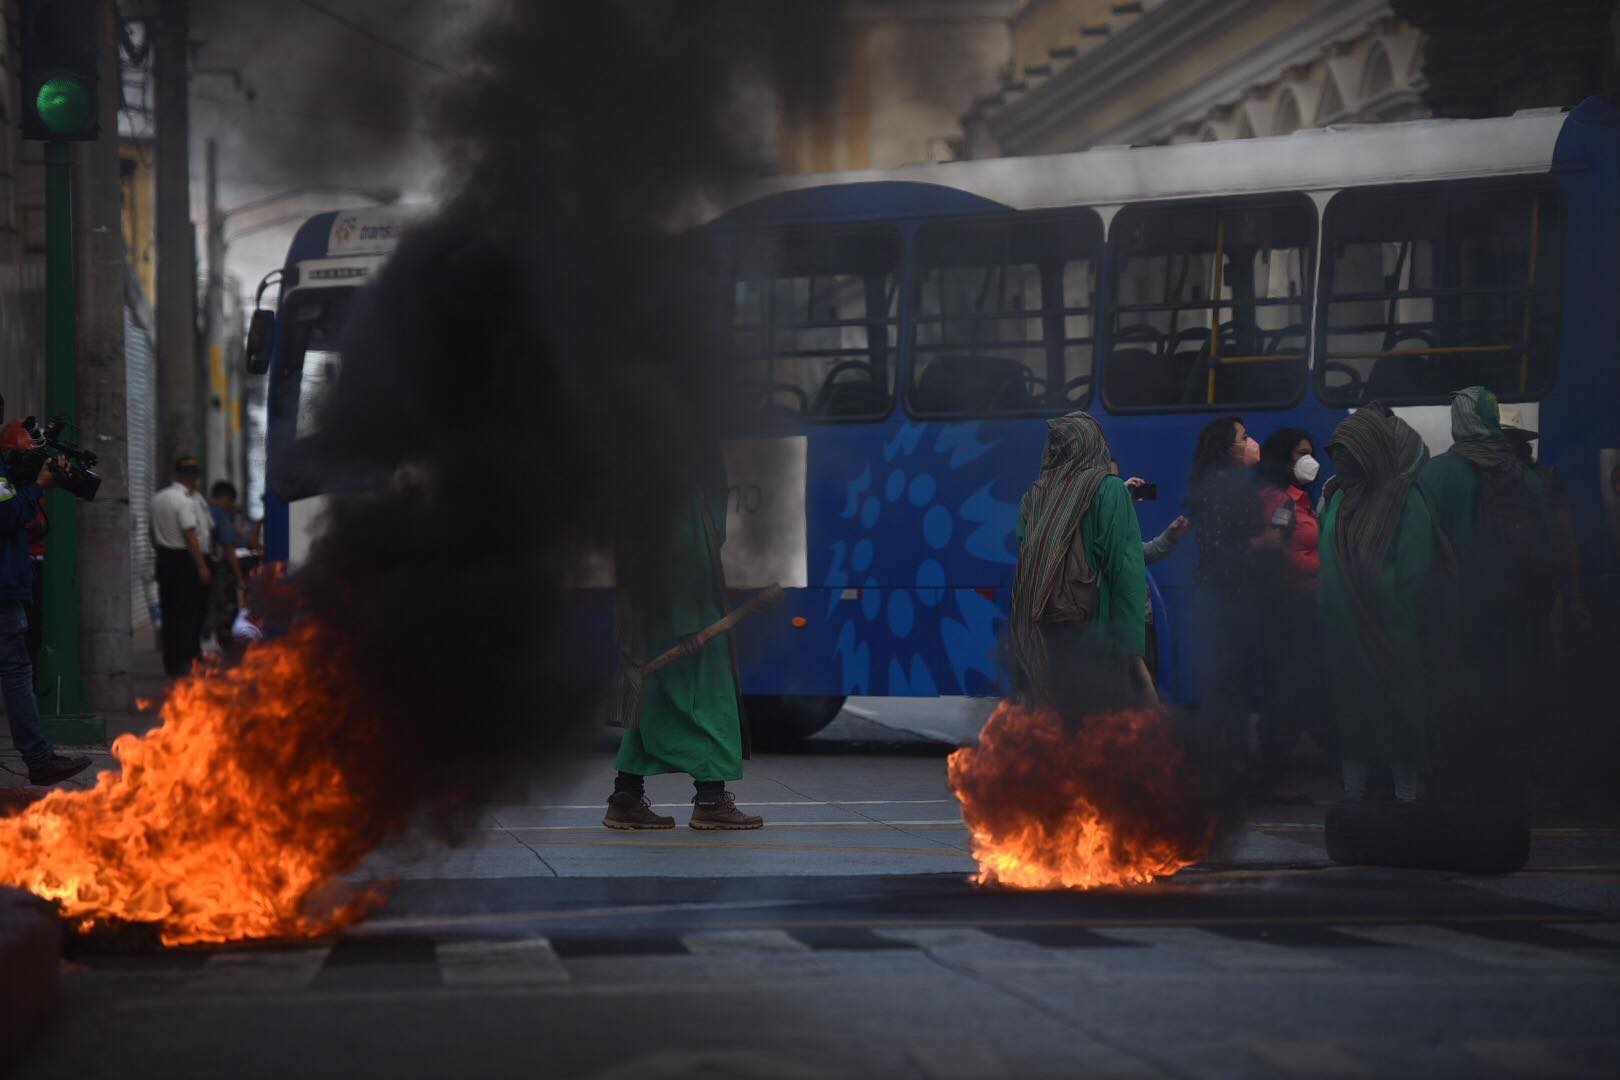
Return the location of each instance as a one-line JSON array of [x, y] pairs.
[[1251, 453], [1306, 468]]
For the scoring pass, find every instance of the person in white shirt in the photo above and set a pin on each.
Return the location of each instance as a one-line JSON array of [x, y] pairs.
[[180, 529]]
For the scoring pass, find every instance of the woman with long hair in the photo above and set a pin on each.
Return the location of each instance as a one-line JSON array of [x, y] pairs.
[[1231, 572], [1076, 628], [1291, 654]]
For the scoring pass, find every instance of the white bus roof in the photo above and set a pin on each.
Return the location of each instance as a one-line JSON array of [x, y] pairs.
[[1311, 160]]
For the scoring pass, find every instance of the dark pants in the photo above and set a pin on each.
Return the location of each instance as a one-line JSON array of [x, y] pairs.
[[1226, 651], [17, 686], [182, 598], [36, 614], [1292, 666]]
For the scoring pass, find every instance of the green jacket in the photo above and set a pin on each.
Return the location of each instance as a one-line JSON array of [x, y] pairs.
[[1113, 539], [1380, 717]]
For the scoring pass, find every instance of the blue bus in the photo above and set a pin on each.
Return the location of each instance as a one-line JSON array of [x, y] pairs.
[[904, 334]]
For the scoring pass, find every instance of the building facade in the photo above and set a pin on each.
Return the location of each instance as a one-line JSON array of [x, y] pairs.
[[1089, 73]]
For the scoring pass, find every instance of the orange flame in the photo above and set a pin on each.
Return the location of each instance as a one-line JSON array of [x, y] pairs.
[[227, 821], [1108, 803]]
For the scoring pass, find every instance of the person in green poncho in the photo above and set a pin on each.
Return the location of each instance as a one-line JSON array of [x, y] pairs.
[[1496, 513], [686, 717], [1378, 548], [1076, 631]]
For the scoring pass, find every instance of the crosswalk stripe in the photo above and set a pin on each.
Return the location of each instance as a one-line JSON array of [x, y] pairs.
[[1217, 950], [957, 1061], [948, 937], [741, 942], [1308, 1058], [1477, 948], [258, 970], [512, 962], [1606, 932], [1525, 1057]]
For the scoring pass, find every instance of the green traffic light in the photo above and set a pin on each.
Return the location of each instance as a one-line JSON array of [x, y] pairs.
[[63, 104]]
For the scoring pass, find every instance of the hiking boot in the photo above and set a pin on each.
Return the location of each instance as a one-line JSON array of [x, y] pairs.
[[56, 768], [629, 810], [720, 812]]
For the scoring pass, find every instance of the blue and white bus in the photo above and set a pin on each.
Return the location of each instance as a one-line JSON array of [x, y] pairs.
[[905, 333]]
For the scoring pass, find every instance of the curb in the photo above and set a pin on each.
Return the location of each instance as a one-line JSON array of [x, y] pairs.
[[30, 945]]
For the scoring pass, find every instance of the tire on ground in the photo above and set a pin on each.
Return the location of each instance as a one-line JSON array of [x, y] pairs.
[[782, 721], [1434, 836]]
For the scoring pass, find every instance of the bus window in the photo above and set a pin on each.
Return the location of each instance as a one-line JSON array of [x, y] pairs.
[[1430, 288], [1209, 305], [1004, 316], [814, 322], [309, 365]]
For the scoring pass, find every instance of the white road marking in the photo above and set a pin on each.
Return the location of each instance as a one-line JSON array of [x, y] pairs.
[[1220, 951], [258, 970], [1525, 1057], [957, 1061], [1479, 949], [513, 962], [1609, 932], [744, 801], [741, 942], [955, 823], [670, 1064], [1317, 1057]]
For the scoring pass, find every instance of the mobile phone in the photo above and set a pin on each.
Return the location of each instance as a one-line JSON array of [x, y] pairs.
[[1145, 492]]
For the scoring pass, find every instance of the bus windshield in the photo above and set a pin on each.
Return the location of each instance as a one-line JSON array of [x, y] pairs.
[[314, 325], [309, 362]]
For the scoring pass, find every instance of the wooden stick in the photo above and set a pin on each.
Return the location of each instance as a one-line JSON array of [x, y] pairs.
[[692, 643]]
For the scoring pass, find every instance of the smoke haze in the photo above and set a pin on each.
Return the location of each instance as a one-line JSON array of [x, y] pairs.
[[535, 375]]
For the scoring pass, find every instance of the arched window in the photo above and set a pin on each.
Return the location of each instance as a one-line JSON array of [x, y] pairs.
[[1378, 76], [1287, 118], [1245, 130], [1332, 103], [1209, 134]]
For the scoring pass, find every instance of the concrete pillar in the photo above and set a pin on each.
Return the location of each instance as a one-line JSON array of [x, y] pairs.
[[178, 389], [104, 523]]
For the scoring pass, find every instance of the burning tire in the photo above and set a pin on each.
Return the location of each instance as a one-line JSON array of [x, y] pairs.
[[780, 722], [1434, 836]]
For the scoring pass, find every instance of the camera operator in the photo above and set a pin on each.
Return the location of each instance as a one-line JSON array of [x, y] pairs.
[[20, 501], [179, 531]]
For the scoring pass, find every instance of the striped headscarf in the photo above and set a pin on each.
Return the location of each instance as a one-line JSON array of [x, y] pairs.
[[1073, 464], [1476, 431], [1389, 455]]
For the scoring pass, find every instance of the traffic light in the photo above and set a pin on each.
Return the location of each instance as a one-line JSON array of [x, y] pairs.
[[59, 44]]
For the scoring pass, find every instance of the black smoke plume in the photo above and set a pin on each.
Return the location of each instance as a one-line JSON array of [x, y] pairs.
[[537, 373]]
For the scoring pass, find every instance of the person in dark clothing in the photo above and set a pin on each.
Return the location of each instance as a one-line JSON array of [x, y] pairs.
[[180, 535], [1233, 571], [1291, 652], [1496, 515], [229, 592], [19, 506], [36, 605]]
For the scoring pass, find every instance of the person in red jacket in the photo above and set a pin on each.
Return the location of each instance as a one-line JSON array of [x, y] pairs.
[[1291, 661]]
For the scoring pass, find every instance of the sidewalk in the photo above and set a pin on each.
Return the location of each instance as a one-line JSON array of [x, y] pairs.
[[147, 682]]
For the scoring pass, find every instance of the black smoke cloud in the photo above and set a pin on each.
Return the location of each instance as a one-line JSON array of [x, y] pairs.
[[536, 374]]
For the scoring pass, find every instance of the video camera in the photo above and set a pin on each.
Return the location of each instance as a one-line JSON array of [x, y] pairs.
[[72, 467]]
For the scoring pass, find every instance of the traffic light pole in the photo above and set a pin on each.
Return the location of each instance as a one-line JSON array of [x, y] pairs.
[[62, 699]]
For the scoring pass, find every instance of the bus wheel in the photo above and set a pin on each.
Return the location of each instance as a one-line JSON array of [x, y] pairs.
[[779, 722]]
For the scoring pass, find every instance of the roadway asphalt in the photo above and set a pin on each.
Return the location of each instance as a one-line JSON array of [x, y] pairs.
[[845, 939]]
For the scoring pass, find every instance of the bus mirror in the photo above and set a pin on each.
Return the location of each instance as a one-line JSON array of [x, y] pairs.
[[261, 332]]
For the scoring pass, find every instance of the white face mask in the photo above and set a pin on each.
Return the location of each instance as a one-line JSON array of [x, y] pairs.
[[1306, 468]]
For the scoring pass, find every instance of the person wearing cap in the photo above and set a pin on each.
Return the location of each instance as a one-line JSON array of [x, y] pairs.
[[21, 495], [180, 522], [1496, 516]]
